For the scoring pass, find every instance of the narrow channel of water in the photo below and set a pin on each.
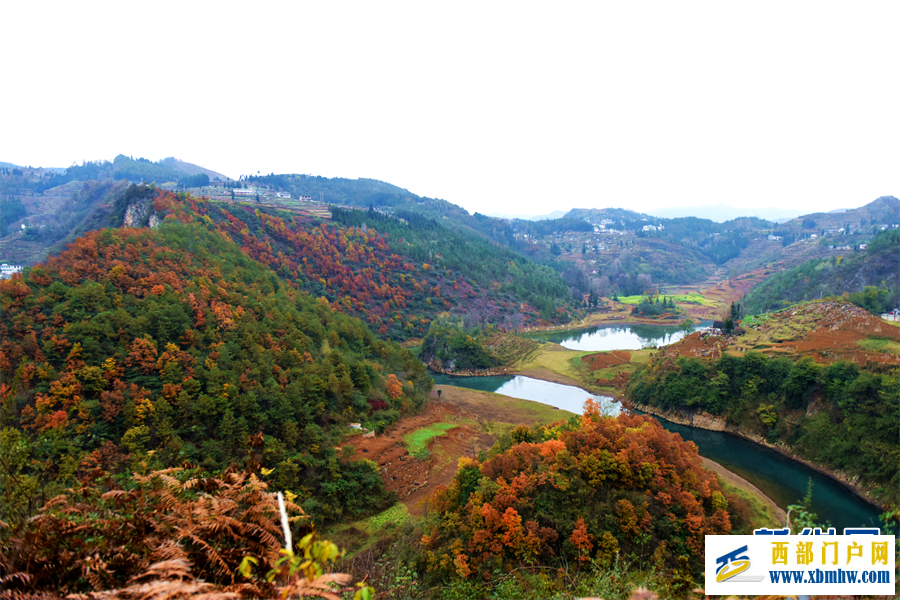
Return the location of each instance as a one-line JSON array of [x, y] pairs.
[[615, 337], [780, 478]]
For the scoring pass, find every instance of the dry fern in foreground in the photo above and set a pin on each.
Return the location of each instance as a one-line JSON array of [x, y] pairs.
[[85, 541]]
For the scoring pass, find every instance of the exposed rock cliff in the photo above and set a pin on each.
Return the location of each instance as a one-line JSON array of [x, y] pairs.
[[139, 212]]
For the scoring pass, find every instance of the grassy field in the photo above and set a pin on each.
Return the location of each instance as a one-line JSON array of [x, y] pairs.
[[555, 359], [880, 344], [495, 412], [418, 440], [692, 298], [392, 517], [761, 512]]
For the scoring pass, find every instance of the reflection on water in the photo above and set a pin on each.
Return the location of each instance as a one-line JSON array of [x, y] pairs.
[[565, 397], [780, 478], [615, 337]]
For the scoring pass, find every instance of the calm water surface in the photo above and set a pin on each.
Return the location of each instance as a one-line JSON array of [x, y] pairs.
[[780, 478], [615, 337], [566, 397]]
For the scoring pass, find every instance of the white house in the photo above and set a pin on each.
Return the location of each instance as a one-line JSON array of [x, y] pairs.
[[7, 271]]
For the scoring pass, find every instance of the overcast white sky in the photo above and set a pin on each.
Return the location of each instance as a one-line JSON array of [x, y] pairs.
[[519, 107]]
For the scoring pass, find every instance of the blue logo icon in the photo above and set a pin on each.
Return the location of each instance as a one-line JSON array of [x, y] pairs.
[[732, 564]]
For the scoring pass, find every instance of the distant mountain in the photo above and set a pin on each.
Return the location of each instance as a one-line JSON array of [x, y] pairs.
[[192, 169], [883, 211], [7, 165], [723, 212], [556, 214]]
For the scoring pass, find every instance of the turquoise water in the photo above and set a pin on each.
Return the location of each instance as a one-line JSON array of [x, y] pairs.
[[614, 337], [780, 478]]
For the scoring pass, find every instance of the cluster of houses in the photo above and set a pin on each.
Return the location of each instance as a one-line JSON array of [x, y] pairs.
[[253, 192], [7, 271]]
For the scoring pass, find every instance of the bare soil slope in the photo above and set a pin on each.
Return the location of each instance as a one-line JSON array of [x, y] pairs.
[[827, 331], [478, 416]]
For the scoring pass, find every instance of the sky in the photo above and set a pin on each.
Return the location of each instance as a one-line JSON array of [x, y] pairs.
[[500, 107]]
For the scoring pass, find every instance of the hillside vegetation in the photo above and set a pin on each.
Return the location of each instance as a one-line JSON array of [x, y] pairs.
[[838, 414], [594, 493], [397, 276], [140, 348], [870, 277], [160, 379], [453, 347]]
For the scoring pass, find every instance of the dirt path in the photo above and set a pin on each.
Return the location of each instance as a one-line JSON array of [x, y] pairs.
[[742, 483]]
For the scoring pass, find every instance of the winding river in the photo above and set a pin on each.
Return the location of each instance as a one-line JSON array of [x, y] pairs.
[[783, 480]]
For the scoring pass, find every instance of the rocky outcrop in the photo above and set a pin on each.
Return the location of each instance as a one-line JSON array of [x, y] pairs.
[[141, 213], [699, 420], [438, 367]]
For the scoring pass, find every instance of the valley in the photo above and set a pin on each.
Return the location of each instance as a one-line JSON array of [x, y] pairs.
[[163, 336]]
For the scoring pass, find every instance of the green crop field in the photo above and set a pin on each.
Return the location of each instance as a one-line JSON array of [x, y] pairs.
[[880, 344], [417, 441], [692, 298]]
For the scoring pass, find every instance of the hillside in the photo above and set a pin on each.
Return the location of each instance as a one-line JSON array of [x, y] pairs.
[[192, 169], [396, 274], [41, 210], [724, 212], [865, 219], [592, 492], [876, 266], [220, 338], [608, 251], [140, 348], [54, 218], [818, 379]]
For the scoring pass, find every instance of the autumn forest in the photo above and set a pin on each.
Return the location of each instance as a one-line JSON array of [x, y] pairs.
[[179, 359]]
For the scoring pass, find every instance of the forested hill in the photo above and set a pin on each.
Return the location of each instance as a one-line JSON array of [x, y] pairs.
[[396, 273], [147, 348], [386, 198], [362, 193], [869, 276]]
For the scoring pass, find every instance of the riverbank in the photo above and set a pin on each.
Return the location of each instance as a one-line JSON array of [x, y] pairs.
[[772, 515], [764, 510], [555, 363], [621, 316], [711, 423]]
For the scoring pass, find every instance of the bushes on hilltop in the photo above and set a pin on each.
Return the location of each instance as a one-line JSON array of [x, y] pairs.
[[591, 492]]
